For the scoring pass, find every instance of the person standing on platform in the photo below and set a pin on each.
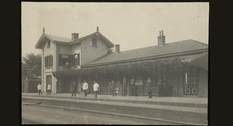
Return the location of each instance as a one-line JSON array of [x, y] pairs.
[[39, 87], [85, 88], [113, 89], [149, 87], [74, 89], [49, 89], [124, 87], [95, 88]]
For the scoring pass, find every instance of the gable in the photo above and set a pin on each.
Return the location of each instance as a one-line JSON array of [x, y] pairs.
[[64, 40], [43, 39], [97, 35]]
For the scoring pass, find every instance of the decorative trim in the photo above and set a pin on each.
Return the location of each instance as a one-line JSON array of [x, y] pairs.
[[187, 91], [194, 91]]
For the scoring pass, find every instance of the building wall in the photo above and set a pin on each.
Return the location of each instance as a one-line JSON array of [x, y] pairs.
[[45, 72], [202, 83], [89, 53], [173, 81], [181, 80], [75, 48]]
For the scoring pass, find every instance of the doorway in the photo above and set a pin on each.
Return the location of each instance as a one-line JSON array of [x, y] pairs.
[[48, 81]]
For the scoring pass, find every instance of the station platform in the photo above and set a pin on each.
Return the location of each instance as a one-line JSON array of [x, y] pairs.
[[195, 102], [184, 109]]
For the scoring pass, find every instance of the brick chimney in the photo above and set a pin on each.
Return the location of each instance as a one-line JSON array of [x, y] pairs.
[[74, 36], [117, 48], [161, 39]]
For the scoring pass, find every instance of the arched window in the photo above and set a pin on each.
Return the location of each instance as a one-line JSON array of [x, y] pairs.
[[94, 42], [48, 44]]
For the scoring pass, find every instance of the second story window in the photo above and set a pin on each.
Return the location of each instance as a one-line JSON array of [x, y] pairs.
[[63, 58], [48, 61], [73, 59], [48, 46], [94, 42], [77, 59]]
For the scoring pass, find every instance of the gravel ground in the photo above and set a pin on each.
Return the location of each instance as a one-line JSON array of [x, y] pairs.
[[36, 114], [145, 112]]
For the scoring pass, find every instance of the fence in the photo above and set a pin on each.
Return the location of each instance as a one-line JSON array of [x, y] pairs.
[[30, 86]]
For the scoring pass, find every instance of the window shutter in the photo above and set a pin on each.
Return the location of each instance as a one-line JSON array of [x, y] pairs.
[[60, 60], [78, 59], [45, 61], [51, 60], [48, 60], [69, 60], [63, 61], [74, 59]]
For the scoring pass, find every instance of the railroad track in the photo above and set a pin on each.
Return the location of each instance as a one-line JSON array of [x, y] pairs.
[[110, 113]]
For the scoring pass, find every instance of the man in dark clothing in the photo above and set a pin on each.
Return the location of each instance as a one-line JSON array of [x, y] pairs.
[[149, 87], [124, 87], [74, 89], [113, 89]]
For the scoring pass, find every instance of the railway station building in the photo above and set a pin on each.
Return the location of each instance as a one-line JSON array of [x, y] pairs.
[[176, 69]]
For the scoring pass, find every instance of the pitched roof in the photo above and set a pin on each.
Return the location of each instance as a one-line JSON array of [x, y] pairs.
[[98, 34], [152, 51], [58, 38], [70, 41]]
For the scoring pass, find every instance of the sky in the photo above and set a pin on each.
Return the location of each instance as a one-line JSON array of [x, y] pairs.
[[132, 25]]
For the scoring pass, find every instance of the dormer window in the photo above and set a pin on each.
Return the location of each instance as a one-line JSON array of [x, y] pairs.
[[48, 44], [94, 42]]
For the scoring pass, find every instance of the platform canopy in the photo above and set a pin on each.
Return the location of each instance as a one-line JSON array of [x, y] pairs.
[[199, 60]]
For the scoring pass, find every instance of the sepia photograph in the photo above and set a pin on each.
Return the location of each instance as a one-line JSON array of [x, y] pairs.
[[138, 63]]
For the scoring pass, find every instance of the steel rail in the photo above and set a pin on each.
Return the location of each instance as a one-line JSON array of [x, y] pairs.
[[115, 114]]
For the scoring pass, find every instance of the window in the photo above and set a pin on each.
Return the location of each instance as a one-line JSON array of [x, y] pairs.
[[48, 44], [63, 58], [77, 59], [138, 80], [191, 80], [162, 78], [132, 81], [94, 42], [48, 61], [73, 59]]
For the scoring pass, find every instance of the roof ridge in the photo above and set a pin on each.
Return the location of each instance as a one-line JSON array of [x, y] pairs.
[[58, 36], [73, 41], [174, 42], [199, 42]]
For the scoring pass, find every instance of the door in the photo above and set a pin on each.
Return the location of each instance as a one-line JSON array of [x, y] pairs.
[[132, 87], [48, 80], [64, 86], [191, 81]]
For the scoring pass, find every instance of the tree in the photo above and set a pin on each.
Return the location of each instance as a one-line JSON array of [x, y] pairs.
[[31, 66]]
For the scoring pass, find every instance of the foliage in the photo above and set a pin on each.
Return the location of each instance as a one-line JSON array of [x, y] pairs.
[[31, 66], [146, 66]]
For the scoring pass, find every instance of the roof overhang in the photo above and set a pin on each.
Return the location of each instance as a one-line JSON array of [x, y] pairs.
[[41, 41], [187, 55], [201, 61]]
